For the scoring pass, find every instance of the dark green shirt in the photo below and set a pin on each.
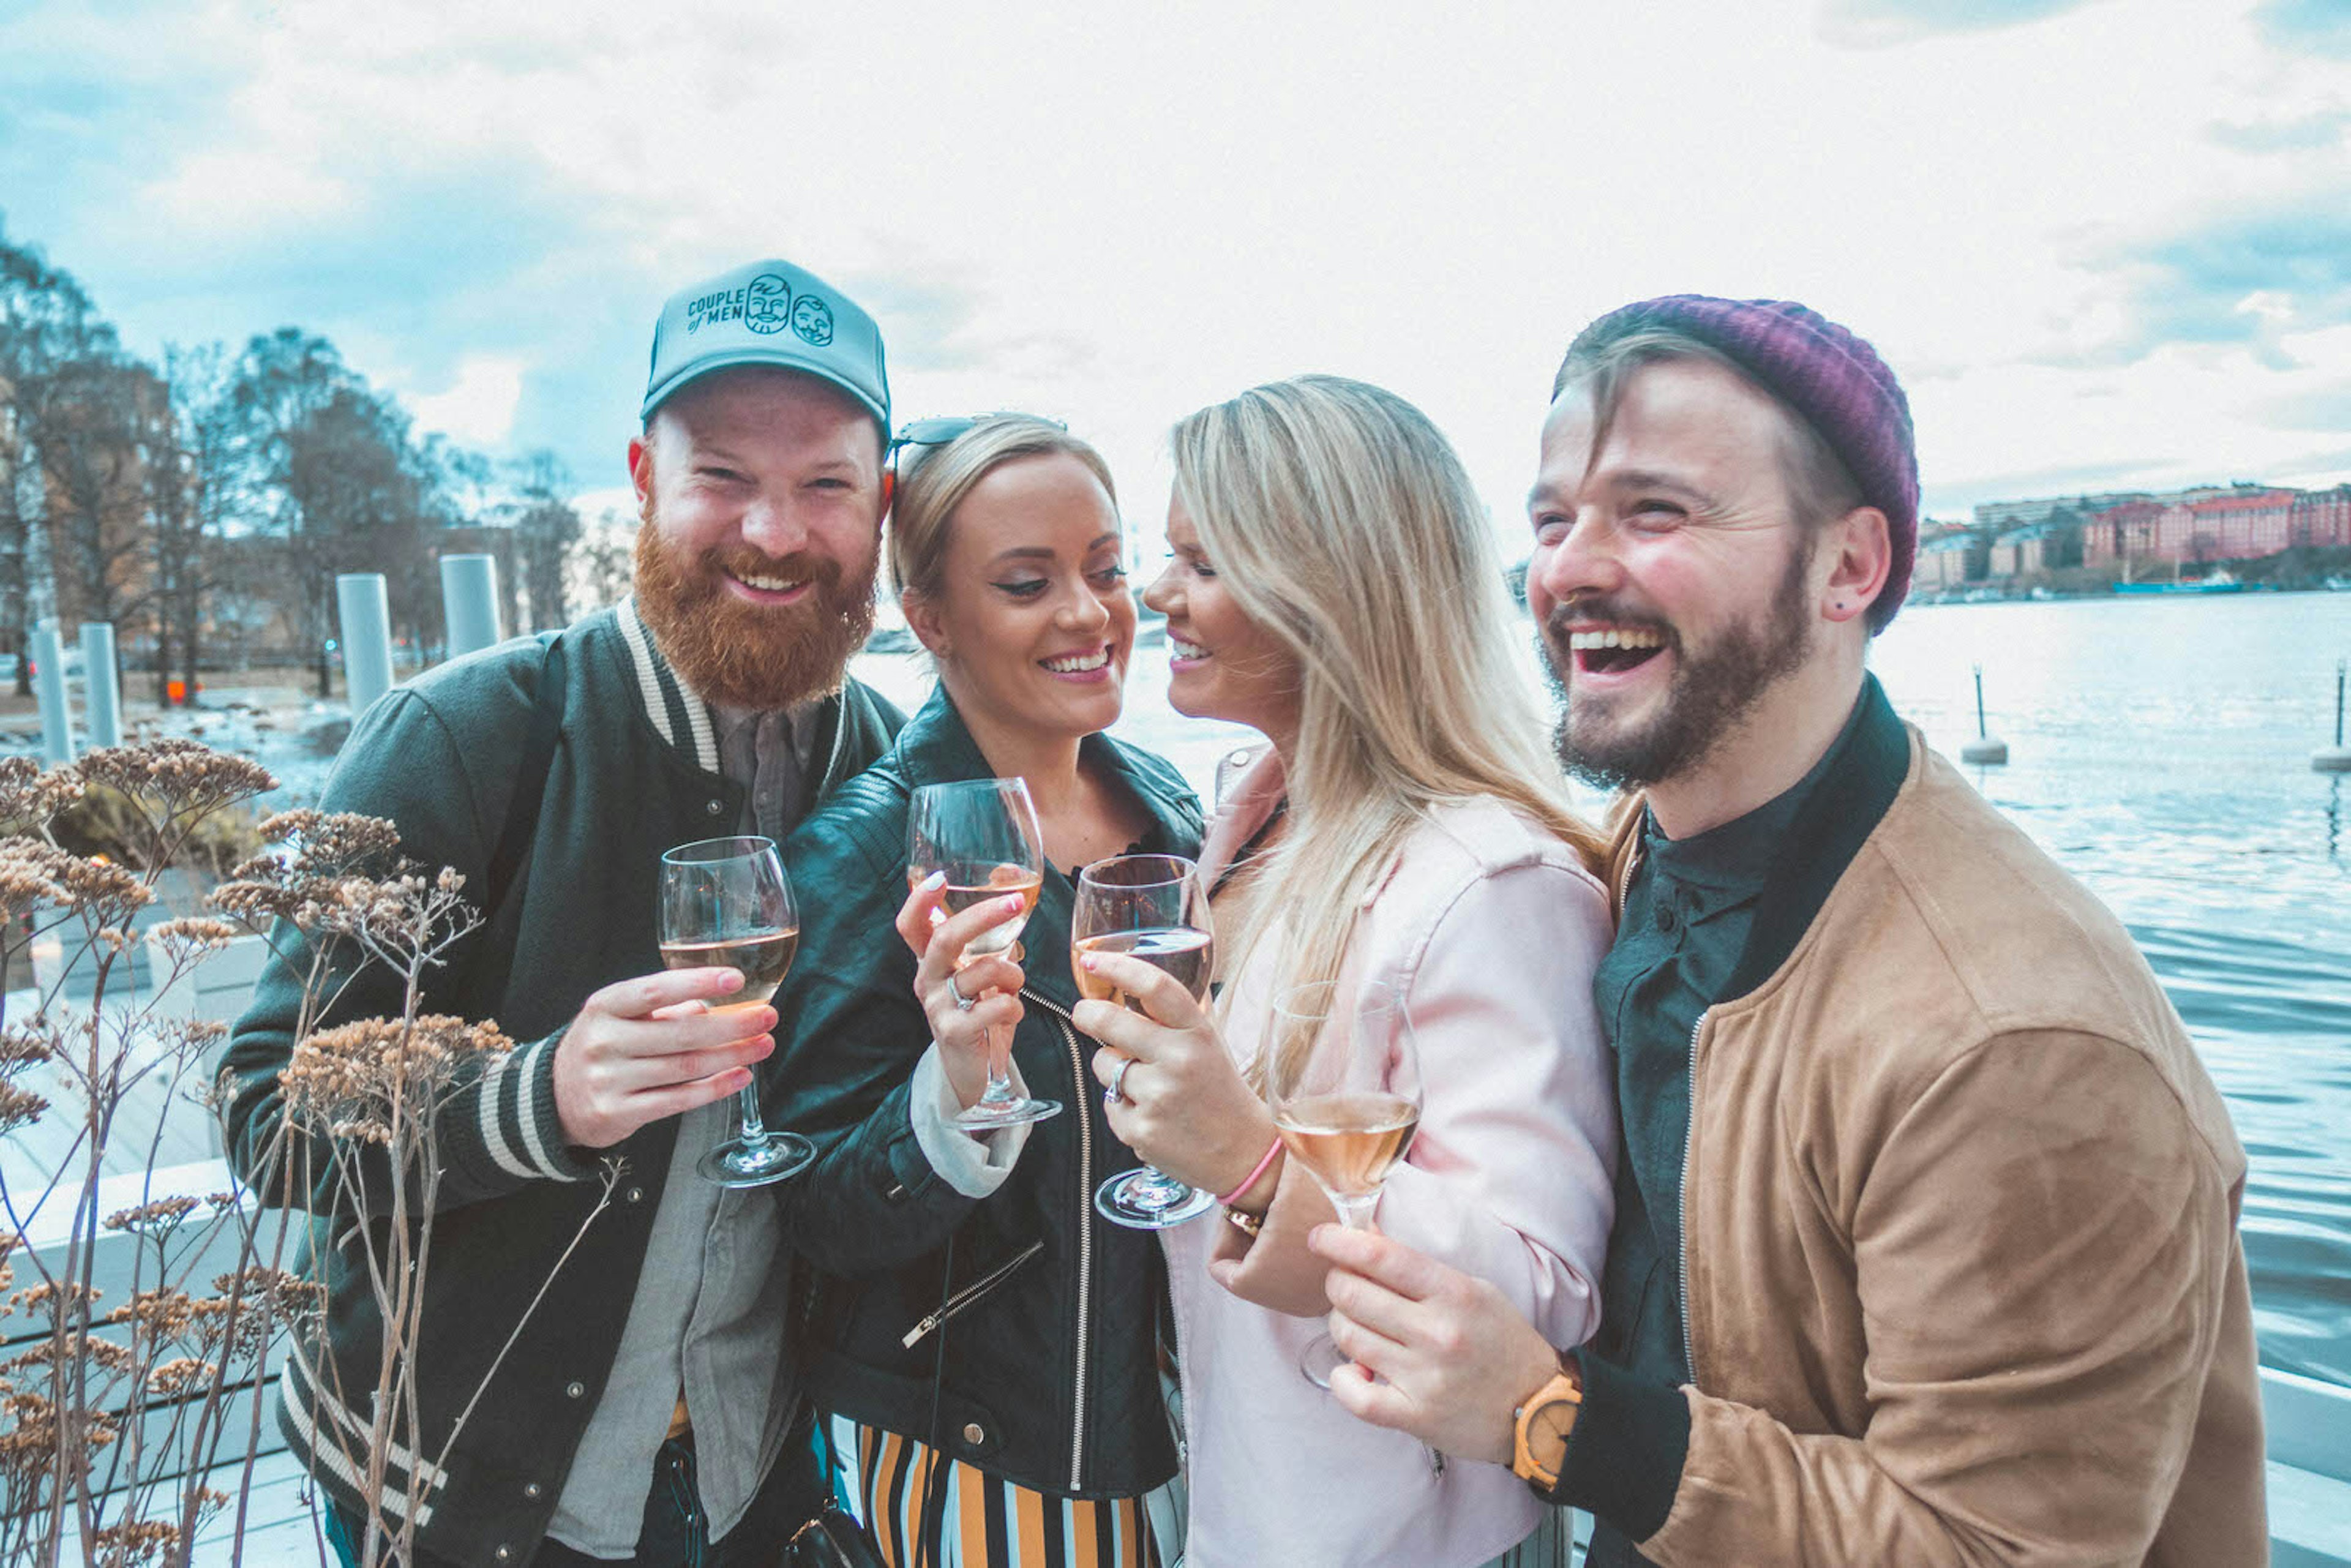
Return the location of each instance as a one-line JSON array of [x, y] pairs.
[[1689, 910]]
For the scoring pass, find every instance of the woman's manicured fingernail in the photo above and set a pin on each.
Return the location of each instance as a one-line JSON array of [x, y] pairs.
[[1012, 904], [932, 882], [1087, 963]]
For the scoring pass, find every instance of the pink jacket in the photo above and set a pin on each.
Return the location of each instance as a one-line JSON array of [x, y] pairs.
[[1490, 929]]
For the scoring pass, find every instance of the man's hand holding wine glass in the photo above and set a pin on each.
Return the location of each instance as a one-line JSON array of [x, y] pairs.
[[655, 1046], [1430, 1350]]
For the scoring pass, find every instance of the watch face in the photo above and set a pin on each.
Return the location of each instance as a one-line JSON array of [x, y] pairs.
[[1552, 1422]]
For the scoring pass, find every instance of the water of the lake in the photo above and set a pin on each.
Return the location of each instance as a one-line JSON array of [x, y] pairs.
[[2160, 749]]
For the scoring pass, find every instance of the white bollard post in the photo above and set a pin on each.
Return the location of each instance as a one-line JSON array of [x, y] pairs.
[[1986, 750], [469, 598], [49, 688], [102, 687], [2336, 759], [366, 613]]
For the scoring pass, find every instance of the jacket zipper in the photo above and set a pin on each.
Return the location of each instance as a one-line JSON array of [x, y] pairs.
[[1689, 1141], [969, 1294], [1085, 1232]]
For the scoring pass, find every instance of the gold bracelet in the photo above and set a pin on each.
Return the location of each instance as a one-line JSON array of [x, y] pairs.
[[1245, 1222]]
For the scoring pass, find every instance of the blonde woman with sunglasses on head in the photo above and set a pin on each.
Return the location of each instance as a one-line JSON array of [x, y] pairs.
[[1334, 585], [987, 1342]]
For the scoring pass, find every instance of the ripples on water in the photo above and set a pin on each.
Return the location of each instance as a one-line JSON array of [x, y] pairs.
[[2160, 750]]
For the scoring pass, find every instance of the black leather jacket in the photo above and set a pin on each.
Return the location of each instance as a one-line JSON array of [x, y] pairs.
[[1041, 1315]]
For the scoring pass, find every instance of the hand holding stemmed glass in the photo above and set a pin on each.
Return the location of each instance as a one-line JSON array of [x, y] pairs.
[[975, 864], [1152, 908], [1342, 1076], [1171, 1088], [726, 902]]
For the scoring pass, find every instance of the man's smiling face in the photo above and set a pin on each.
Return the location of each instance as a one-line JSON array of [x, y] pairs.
[[761, 491], [1670, 577]]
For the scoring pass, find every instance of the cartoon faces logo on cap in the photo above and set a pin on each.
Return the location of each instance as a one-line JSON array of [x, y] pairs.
[[813, 320], [767, 305]]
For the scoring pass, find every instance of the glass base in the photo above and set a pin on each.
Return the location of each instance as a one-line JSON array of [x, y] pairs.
[[1006, 1113], [737, 1163], [1147, 1200], [1319, 1359]]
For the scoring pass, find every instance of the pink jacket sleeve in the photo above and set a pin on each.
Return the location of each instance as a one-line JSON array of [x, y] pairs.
[[1511, 1176]]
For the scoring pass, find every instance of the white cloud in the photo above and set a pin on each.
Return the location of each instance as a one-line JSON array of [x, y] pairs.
[[1117, 216], [478, 408]]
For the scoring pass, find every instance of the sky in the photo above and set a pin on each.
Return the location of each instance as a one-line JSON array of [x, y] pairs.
[[2105, 244]]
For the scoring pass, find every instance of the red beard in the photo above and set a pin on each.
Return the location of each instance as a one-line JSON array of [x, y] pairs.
[[744, 655]]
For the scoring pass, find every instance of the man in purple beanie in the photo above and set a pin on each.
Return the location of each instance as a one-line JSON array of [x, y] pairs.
[[1925, 1248]]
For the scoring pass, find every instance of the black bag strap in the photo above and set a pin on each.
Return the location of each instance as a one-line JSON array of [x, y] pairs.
[[530, 781]]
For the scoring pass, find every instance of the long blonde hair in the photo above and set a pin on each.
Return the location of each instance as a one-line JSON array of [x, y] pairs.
[[1345, 525]]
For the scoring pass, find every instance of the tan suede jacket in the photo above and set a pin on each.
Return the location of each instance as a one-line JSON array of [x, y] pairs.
[[1963, 1279]]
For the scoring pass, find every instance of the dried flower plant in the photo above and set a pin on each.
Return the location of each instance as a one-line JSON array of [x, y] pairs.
[[363, 1099], [115, 1415]]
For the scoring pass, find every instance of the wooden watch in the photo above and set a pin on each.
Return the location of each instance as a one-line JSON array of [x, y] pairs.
[[1543, 1423]]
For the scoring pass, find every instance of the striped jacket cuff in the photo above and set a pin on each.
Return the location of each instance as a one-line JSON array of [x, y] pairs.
[[336, 1439], [506, 1131]]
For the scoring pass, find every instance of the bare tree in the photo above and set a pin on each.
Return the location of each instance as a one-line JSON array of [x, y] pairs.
[[96, 420], [546, 529], [346, 488], [603, 566], [191, 491], [47, 324]]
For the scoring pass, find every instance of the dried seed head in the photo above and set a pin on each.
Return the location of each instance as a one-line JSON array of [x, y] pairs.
[[19, 1108], [178, 777], [355, 1080], [29, 797], [160, 1217]]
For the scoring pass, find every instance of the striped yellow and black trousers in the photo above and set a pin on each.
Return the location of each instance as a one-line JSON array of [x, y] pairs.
[[928, 1511]]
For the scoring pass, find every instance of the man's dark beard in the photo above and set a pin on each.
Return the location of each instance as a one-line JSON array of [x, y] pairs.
[[746, 656], [1710, 695]]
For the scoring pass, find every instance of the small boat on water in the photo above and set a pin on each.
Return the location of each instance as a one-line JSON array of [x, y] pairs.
[[2338, 585], [2222, 582]]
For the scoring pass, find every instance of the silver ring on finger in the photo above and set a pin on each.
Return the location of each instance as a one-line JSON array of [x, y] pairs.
[[963, 1004], [1115, 1093]]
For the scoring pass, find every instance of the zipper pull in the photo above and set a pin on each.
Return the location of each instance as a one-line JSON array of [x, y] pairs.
[[969, 1294], [915, 1335]]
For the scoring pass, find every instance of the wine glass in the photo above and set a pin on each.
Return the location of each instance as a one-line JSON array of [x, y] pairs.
[[1148, 907], [983, 833], [727, 902], [1343, 1079]]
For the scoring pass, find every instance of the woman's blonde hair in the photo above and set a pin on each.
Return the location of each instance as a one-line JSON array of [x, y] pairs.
[[934, 480], [1345, 525]]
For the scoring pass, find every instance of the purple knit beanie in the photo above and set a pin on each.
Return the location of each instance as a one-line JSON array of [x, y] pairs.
[[1824, 372]]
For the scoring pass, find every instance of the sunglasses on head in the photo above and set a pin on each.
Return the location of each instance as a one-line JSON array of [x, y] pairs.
[[940, 432]]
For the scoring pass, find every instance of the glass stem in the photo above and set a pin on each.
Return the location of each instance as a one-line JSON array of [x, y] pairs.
[[999, 1090], [754, 1131], [1355, 1213]]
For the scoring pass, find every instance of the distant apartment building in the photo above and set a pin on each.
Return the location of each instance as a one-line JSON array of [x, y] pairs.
[[2321, 518], [1951, 556], [2133, 534]]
